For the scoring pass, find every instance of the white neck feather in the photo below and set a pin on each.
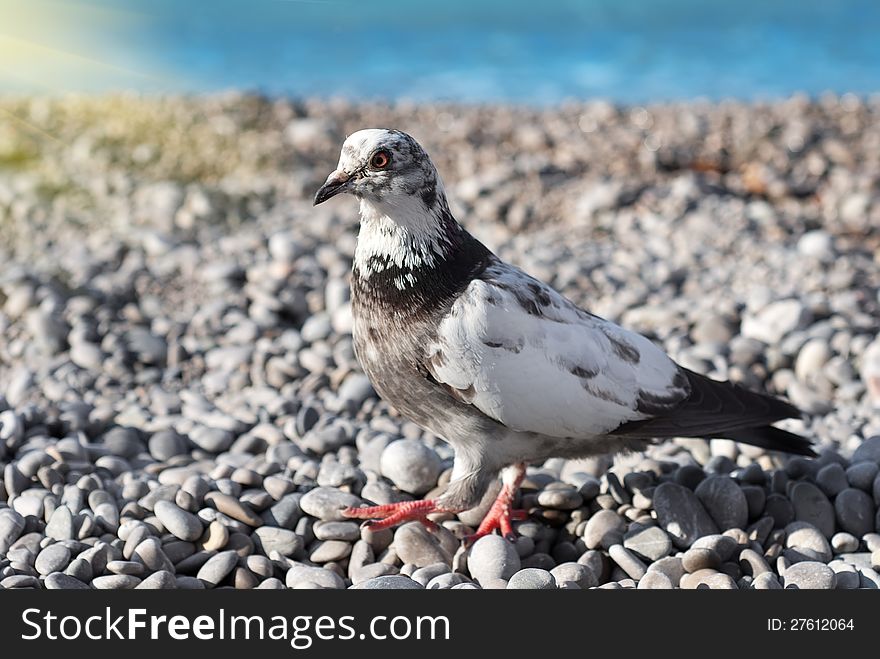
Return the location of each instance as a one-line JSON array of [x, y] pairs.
[[401, 232]]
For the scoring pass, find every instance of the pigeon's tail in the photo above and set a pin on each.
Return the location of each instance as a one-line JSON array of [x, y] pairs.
[[727, 411], [773, 439]]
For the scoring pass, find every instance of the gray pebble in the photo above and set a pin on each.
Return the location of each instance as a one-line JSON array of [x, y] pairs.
[[61, 581], [532, 579], [446, 581], [115, 582], [492, 557], [604, 529], [217, 568], [862, 475], [812, 506], [390, 582], [650, 542], [60, 526], [417, 546], [832, 479], [855, 511], [180, 523], [655, 581], [53, 558], [627, 561], [268, 539], [575, 572], [411, 466], [681, 514], [324, 578], [766, 581], [327, 503], [162, 580], [724, 501], [809, 575]]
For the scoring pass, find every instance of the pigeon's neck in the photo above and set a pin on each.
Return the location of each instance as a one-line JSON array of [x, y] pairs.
[[410, 255]]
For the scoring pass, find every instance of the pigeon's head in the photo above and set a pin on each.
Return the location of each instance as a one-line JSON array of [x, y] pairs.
[[384, 168]]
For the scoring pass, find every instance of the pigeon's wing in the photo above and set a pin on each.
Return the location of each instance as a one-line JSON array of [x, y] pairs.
[[529, 358]]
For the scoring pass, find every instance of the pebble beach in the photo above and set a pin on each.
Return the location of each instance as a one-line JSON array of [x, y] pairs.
[[181, 407]]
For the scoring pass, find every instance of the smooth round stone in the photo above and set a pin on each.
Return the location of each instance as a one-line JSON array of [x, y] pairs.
[[492, 557], [832, 479], [60, 526], [862, 475], [651, 543], [812, 506], [151, 553], [708, 579], [655, 581], [300, 574], [11, 526], [604, 529], [286, 513], [802, 535], [724, 501], [61, 581], [115, 582], [212, 440], [411, 466], [215, 536], [575, 573], [531, 579], [217, 568], [671, 566], [424, 574], [270, 584], [180, 523], [327, 503], [53, 558], [809, 575], [345, 531], [414, 544], [560, 499], [844, 543], [627, 561], [268, 539], [681, 514], [162, 580], [696, 558], [229, 505], [389, 582], [780, 509], [868, 451], [126, 567], [855, 511], [752, 563], [326, 551], [165, 444], [446, 581], [186, 582], [723, 545], [766, 581]]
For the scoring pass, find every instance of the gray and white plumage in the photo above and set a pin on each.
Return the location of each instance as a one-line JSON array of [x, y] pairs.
[[495, 362]]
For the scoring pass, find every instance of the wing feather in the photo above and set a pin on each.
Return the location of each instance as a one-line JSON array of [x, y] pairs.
[[529, 358]]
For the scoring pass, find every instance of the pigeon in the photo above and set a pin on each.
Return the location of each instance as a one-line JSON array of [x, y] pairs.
[[497, 363]]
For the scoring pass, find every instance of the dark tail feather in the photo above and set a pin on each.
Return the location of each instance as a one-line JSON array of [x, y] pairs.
[[722, 409], [773, 439]]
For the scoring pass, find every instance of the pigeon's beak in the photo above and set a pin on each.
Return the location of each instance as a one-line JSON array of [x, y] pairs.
[[337, 182]]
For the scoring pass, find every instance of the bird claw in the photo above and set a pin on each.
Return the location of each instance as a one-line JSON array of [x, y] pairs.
[[388, 515], [500, 520]]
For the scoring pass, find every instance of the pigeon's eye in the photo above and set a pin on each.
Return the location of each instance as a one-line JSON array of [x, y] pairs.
[[380, 160]]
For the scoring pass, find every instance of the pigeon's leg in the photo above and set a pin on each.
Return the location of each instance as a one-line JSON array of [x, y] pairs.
[[501, 514], [383, 517]]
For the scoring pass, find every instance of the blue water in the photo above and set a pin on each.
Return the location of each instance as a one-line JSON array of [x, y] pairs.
[[516, 50]]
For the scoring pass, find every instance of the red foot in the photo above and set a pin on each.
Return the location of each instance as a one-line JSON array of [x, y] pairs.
[[501, 513], [394, 513]]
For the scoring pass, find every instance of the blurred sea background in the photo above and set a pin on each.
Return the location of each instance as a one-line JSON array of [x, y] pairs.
[[629, 51]]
